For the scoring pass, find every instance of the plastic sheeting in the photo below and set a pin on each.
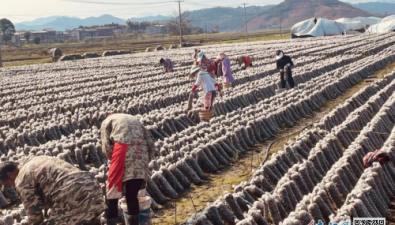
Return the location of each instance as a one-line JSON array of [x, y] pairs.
[[317, 27], [386, 25], [358, 23]]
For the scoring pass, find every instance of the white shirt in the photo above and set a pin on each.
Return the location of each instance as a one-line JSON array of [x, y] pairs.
[[206, 81]]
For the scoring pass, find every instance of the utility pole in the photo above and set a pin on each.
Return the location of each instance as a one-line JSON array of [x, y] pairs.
[[179, 14], [205, 29], [1, 62], [281, 19], [245, 21]]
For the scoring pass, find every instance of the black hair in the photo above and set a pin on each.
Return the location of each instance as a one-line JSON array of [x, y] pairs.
[[161, 60], [7, 167]]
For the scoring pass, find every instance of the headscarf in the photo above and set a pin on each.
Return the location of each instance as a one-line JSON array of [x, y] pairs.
[[279, 54], [222, 56], [376, 156]]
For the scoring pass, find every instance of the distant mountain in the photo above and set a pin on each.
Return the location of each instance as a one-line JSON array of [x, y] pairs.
[[151, 18], [294, 11], [226, 18], [63, 22], [377, 7], [39, 21]]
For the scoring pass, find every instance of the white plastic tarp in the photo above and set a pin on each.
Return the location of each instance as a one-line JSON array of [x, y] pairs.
[[388, 18], [382, 27], [358, 22], [323, 27], [386, 25]]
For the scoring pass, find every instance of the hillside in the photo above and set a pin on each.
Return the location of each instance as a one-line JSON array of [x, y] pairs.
[[377, 7], [294, 11], [64, 22], [226, 18]]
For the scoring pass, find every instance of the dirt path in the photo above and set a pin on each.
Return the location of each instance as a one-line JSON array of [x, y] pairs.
[[241, 169]]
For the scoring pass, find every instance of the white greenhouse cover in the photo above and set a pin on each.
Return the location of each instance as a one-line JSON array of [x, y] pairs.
[[358, 22], [323, 27], [386, 25]]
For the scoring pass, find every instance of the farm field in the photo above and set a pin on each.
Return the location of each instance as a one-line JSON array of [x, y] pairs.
[[32, 54], [324, 127]]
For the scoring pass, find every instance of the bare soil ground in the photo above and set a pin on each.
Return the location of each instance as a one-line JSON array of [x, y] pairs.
[[196, 198]]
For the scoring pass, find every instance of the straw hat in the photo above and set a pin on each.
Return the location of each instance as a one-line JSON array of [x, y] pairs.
[[194, 69]]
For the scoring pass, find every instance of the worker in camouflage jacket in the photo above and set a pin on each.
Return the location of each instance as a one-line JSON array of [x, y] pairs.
[[129, 147], [66, 194]]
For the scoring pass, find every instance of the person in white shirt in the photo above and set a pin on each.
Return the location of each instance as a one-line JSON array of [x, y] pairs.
[[207, 83]]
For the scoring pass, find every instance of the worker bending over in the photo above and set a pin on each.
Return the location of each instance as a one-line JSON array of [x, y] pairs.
[[207, 83], [128, 145], [43, 182], [167, 65], [243, 59], [284, 64], [376, 156]]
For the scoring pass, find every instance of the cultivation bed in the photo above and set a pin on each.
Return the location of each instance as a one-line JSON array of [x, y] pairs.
[[56, 109]]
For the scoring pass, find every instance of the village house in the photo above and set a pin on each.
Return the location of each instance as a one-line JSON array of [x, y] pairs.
[[82, 33], [156, 29]]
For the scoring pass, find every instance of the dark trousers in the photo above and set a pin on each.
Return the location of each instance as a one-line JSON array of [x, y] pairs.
[[290, 80], [132, 188]]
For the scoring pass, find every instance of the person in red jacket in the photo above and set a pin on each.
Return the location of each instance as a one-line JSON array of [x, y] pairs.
[[376, 156], [243, 59], [206, 64]]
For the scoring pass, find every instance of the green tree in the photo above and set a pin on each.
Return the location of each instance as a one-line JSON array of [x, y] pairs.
[[132, 25], [27, 36], [7, 29], [37, 40]]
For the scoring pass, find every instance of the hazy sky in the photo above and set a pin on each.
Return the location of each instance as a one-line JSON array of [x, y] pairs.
[[27, 10]]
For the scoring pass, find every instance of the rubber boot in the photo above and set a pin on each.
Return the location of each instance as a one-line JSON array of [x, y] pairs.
[[134, 220], [112, 221]]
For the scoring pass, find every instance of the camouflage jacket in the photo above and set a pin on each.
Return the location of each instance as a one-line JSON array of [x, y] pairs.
[[73, 196], [126, 129]]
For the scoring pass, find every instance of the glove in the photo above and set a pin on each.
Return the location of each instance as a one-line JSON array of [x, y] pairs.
[[288, 64], [194, 87], [218, 87]]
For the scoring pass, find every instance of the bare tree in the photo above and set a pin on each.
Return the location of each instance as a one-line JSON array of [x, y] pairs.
[[173, 25]]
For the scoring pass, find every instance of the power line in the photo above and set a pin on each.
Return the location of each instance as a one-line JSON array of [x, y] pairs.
[[115, 3]]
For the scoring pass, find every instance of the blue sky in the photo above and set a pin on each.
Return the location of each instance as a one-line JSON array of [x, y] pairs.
[[27, 10]]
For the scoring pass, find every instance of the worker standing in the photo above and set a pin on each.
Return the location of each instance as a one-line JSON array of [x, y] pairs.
[[167, 65], [43, 182], [207, 83], [223, 68], [206, 64], [128, 145], [243, 59], [284, 64]]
